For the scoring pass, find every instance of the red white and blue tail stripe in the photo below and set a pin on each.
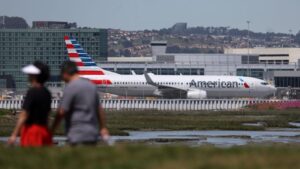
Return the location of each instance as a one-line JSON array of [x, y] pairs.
[[77, 54], [84, 61], [86, 66]]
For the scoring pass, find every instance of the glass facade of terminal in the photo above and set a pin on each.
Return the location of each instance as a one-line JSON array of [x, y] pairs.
[[159, 71], [19, 47], [257, 73], [293, 82]]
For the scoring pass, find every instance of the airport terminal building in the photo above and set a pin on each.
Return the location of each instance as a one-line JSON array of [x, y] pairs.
[[283, 61], [19, 47]]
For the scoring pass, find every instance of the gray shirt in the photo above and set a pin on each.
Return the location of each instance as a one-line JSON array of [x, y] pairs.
[[81, 103]]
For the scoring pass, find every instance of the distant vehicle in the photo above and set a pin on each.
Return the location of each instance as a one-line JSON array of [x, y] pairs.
[[166, 86], [6, 95]]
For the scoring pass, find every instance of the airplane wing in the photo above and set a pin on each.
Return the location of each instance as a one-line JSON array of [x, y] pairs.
[[149, 79], [133, 72], [174, 91], [164, 89]]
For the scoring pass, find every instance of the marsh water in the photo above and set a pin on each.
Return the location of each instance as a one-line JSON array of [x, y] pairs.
[[218, 138]]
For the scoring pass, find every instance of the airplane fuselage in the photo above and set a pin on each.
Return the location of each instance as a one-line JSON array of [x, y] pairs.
[[214, 86], [167, 86]]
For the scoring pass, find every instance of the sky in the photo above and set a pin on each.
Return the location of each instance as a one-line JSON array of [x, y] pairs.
[[265, 15]]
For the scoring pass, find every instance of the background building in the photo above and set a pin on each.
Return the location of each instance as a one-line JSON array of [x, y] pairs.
[[52, 25], [179, 27], [283, 71], [19, 47], [13, 23], [270, 55]]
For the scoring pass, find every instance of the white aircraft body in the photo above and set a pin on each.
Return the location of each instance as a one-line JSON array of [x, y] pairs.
[[166, 86]]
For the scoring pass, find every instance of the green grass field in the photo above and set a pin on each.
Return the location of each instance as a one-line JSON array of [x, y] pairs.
[[150, 120], [119, 122], [141, 157]]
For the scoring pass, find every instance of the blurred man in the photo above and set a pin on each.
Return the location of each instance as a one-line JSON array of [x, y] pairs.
[[80, 106]]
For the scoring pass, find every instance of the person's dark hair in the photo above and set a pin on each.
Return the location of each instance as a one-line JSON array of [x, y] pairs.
[[69, 67], [45, 72]]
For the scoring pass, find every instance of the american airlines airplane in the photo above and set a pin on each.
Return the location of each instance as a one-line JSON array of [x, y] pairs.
[[166, 86]]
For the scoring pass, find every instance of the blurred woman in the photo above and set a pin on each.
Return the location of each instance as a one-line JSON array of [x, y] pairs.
[[32, 123]]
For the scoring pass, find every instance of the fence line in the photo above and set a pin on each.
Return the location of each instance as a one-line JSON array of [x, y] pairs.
[[160, 104]]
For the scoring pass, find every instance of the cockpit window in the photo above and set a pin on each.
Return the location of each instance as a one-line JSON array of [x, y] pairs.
[[264, 83]]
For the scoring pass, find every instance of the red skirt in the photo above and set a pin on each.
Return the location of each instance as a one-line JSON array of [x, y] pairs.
[[35, 136]]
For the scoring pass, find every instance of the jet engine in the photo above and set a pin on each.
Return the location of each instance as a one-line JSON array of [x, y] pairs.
[[196, 94]]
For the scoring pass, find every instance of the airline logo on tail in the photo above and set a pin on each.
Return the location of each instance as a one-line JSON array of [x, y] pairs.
[[86, 66]]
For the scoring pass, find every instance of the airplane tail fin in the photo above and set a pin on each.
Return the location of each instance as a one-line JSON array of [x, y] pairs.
[[84, 62]]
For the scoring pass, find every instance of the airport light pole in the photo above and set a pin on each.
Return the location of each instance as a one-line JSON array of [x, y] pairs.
[[248, 23], [224, 45], [291, 37]]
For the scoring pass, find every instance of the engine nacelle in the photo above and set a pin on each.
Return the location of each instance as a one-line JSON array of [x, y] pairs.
[[196, 94]]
